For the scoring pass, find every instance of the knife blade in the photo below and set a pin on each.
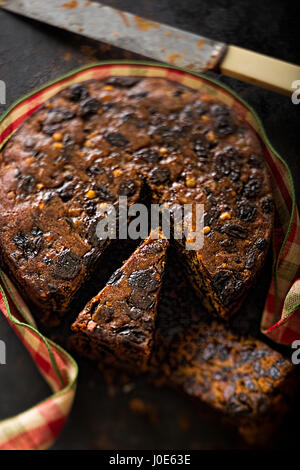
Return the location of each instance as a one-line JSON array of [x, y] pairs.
[[158, 41]]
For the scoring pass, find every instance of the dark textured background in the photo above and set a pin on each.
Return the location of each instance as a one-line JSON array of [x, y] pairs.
[[32, 54]]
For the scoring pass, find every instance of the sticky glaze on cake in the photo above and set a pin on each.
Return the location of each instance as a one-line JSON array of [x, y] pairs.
[[97, 140], [120, 320]]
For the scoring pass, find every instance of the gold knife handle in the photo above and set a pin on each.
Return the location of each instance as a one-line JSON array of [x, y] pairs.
[[259, 69]]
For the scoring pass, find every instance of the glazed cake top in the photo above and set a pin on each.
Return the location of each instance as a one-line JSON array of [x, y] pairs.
[[98, 140]]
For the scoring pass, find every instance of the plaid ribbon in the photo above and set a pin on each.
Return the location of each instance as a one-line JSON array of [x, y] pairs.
[[38, 427]]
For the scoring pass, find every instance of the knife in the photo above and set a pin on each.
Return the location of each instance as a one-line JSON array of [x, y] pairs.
[[158, 41]]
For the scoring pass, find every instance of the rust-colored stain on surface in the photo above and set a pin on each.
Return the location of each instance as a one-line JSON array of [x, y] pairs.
[[124, 17], [70, 5], [200, 44], [173, 57], [67, 56], [144, 25]]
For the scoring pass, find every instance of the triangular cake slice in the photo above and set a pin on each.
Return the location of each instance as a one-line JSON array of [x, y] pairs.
[[120, 320]]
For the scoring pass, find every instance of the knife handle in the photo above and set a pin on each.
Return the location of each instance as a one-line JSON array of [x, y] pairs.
[[259, 69]]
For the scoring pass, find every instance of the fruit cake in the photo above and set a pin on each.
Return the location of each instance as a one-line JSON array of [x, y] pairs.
[[241, 378], [100, 139], [120, 320], [225, 367]]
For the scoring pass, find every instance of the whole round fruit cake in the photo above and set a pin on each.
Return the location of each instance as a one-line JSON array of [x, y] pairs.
[[141, 138]]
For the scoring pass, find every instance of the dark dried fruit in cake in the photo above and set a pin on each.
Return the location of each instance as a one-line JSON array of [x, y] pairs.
[[148, 154], [127, 188], [235, 231], [116, 139], [245, 381], [121, 318], [67, 266], [246, 211], [159, 175], [88, 107], [29, 244], [78, 92], [226, 285], [140, 138]]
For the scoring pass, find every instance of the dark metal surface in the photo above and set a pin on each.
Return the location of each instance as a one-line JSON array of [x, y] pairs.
[[124, 30], [32, 54]]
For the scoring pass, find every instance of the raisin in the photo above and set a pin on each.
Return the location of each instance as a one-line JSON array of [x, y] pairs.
[[222, 352], [134, 313], [239, 404], [165, 134], [159, 175], [201, 149], [135, 335], [226, 163], [200, 107], [88, 107], [29, 143], [209, 352], [67, 266], [66, 191], [123, 82], [49, 130], [177, 93], [38, 155], [152, 248], [139, 95], [181, 130], [211, 216], [252, 187], [78, 92], [149, 155], [187, 112], [90, 208], [144, 279], [58, 115], [133, 119], [246, 211], [248, 383], [140, 300], [235, 231], [267, 205], [115, 278], [227, 243], [116, 139], [219, 110], [92, 236], [26, 184], [261, 244], [36, 232], [274, 373], [226, 286], [68, 145], [103, 192], [30, 245], [95, 170], [127, 188], [91, 257], [255, 161], [48, 196], [224, 125], [251, 258]]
